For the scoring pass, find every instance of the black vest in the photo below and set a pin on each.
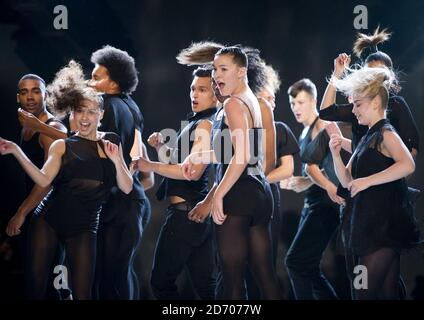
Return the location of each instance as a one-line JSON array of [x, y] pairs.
[[191, 191]]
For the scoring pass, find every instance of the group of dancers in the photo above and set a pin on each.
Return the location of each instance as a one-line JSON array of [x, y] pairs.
[[90, 169]]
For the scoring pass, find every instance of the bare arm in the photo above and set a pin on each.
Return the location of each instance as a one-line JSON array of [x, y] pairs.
[[30, 121], [284, 171], [404, 164], [147, 178], [124, 179], [51, 167], [322, 181], [38, 193], [343, 172], [238, 126], [392, 146], [270, 135], [340, 64], [201, 146]]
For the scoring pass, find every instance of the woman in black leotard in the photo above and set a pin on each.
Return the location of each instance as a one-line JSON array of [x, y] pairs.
[[381, 221], [242, 201], [82, 169]]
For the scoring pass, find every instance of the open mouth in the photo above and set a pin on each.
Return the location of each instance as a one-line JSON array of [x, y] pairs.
[[221, 86], [84, 125]]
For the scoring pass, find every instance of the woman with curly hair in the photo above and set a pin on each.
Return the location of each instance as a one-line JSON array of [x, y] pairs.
[[81, 169]]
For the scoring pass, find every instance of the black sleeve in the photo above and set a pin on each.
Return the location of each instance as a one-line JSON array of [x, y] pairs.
[[286, 141], [112, 137], [338, 112], [317, 149], [110, 122], [400, 117]]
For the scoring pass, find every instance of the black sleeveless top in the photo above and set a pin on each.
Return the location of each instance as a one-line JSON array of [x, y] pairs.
[[82, 185], [316, 151], [381, 215], [35, 153], [223, 148], [191, 191]]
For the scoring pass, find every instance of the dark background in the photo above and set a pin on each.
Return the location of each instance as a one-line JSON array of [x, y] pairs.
[[299, 38]]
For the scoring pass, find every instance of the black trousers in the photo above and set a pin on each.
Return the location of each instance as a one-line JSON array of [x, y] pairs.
[[183, 243], [118, 242], [317, 225]]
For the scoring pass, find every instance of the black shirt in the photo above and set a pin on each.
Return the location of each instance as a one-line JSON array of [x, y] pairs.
[[123, 116], [80, 187], [286, 143]]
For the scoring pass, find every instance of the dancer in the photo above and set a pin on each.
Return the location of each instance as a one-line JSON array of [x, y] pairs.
[[183, 242], [82, 169], [286, 148], [31, 97], [242, 199], [319, 217], [398, 113], [381, 221], [124, 216]]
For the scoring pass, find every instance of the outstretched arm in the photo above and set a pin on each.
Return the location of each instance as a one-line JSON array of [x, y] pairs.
[[200, 147], [51, 167], [37, 193]]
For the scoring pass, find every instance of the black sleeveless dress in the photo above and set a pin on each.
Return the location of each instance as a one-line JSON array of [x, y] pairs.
[[82, 185], [382, 215], [251, 194]]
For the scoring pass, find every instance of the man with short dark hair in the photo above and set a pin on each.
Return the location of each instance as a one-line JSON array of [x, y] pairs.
[[124, 217], [185, 240], [31, 97], [320, 217]]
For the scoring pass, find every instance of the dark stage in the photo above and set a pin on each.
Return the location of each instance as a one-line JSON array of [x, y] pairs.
[[299, 38]]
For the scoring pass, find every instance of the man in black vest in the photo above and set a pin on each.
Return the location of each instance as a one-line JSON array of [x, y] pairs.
[[185, 241]]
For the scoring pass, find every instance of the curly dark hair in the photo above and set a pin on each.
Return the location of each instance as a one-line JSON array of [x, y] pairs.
[[69, 89], [120, 66]]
